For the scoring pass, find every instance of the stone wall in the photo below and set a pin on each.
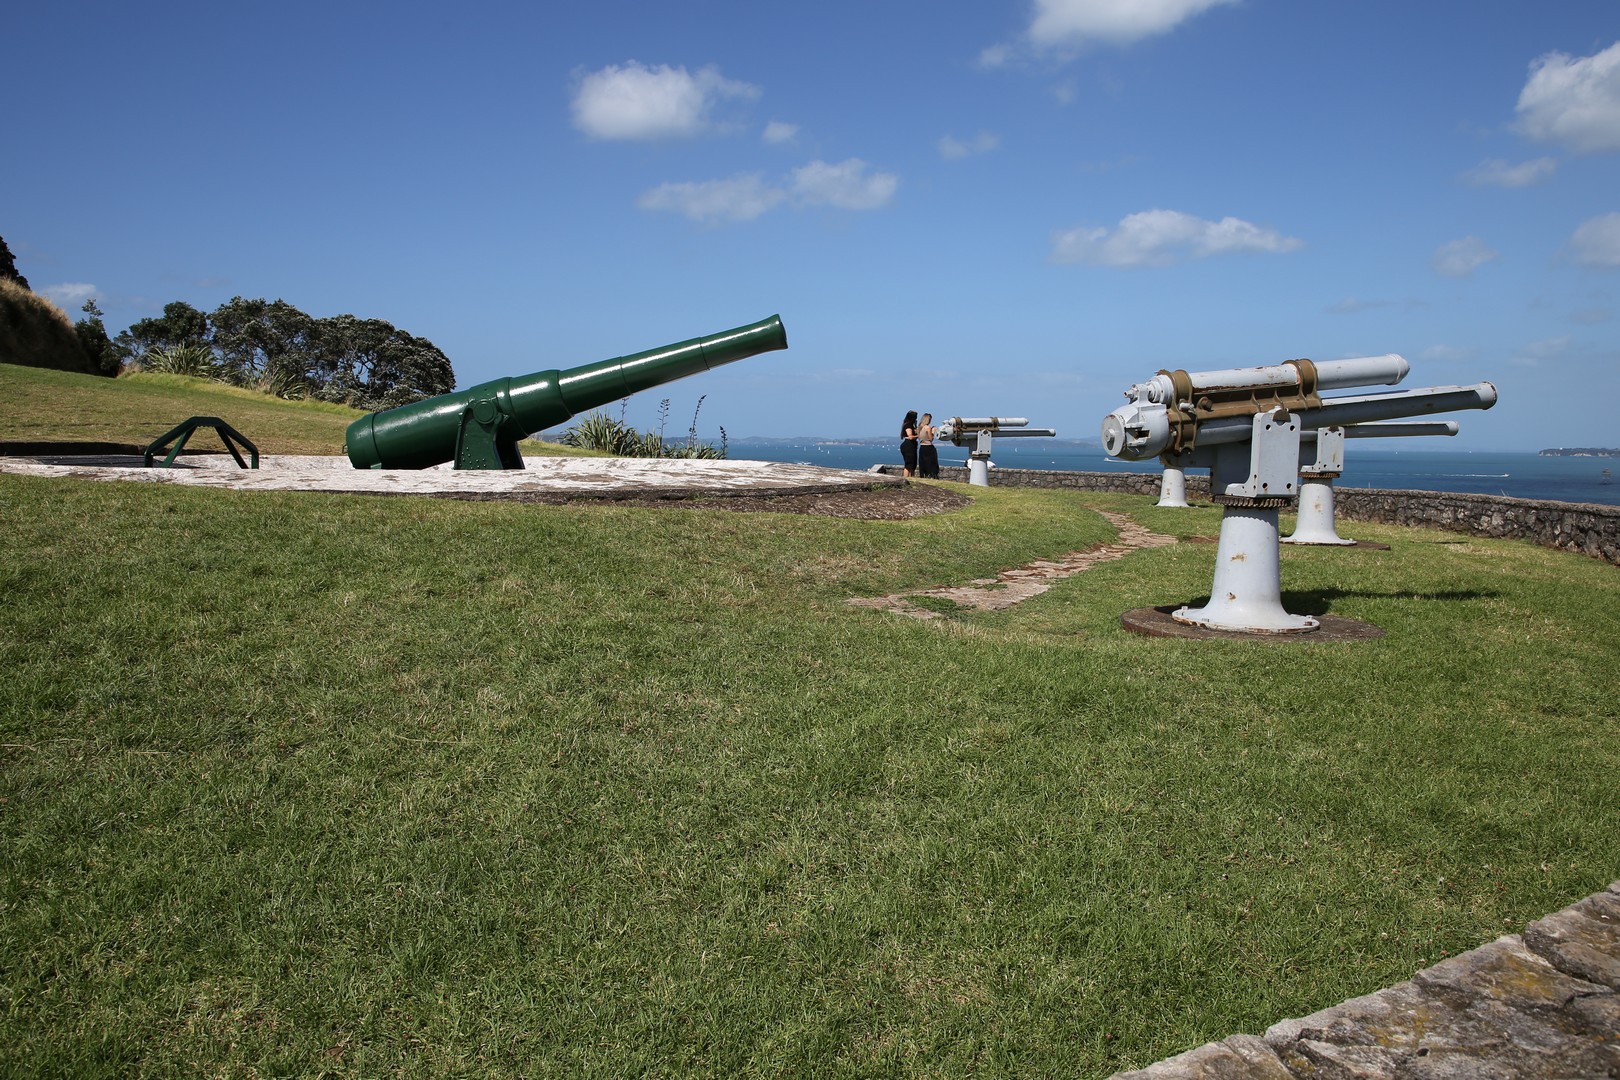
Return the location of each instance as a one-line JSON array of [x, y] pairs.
[[1114, 483], [1587, 528]]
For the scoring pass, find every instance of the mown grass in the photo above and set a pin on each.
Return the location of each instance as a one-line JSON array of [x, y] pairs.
[[296, 784], [37, 404]]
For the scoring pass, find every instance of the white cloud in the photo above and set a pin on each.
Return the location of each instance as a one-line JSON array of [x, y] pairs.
[[663, 102], [1461, 258], [739, 198], [1164, 237], [846, 185], [1498, 173], [69, 296], [1117, 22], [1596, 243], [1533, 354], [778, 132], [995, 56], [952, 149], [1574, 102], [1446, 354]]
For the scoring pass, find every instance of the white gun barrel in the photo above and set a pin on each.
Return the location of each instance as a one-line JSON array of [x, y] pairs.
[[1348, 412], [1396, 428], [963, 430], [1137, 431], [1367, 407], [1386, 370]]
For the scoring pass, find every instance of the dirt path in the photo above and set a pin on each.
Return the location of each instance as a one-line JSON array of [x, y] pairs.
[[1015, 586]]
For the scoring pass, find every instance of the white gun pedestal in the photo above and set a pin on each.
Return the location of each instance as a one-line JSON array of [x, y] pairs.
[[979, 469], [1253, 481], [1173, 488], [1247, 591], [1315, 523]]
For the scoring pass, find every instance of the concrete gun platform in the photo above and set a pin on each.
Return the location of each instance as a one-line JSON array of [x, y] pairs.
[[544, 479]]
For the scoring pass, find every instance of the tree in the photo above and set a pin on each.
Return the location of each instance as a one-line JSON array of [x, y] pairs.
[[263, 342], [97, 346], [180, 324], [370, 364], [272, 346], [8, 266]]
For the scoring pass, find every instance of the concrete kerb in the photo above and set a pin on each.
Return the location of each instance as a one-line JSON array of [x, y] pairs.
[[541, 479]]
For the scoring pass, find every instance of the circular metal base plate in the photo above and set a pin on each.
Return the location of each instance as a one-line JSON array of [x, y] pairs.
[[1156, 622]]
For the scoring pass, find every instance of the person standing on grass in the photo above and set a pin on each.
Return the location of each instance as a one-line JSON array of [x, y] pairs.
[[927, 455], [908, 442]]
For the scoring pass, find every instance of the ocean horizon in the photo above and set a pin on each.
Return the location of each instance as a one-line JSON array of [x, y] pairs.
[[1516, 474]]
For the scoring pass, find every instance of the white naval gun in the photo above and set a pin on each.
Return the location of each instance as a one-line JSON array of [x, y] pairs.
[[1245, 425], [980, 431]]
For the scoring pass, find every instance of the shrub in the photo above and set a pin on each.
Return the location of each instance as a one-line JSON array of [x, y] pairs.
[[187, 359], [597, 430]]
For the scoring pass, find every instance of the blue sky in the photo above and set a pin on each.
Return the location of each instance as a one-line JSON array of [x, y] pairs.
[[1013, 208]]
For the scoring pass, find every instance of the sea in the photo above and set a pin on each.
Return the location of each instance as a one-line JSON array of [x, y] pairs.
[[1480, 472]]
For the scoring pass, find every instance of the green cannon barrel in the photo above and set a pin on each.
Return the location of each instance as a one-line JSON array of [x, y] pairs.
[[479, 428]]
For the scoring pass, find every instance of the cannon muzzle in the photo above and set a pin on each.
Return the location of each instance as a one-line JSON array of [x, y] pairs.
[[479, 428]]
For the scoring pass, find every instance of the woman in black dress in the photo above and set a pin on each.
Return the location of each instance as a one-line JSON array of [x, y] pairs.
[[908, 442], [927, 455]]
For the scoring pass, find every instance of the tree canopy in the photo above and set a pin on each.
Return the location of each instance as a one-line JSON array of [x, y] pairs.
[[272, 345], [266, 344], [180, 324]]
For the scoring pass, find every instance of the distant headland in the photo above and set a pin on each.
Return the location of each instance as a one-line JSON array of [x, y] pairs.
[[1582, 451]]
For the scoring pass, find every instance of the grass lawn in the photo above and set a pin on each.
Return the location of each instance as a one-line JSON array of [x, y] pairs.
[[299, 785]]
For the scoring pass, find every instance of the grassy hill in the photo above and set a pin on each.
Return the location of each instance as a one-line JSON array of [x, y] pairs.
[[299, 784]]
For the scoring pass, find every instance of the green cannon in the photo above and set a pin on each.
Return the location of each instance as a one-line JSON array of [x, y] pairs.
[[479, 428]]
